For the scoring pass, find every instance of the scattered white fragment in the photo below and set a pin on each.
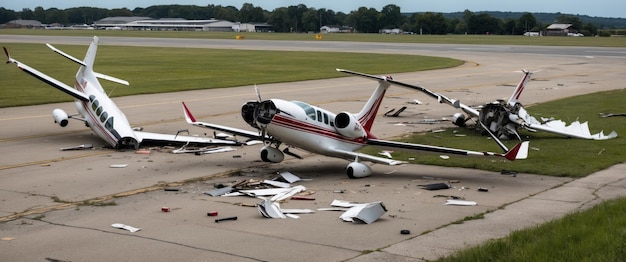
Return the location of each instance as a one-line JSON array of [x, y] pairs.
[[386, 153], [460, 202], [289, 177], [119, 165], [364, 213], [277, 183], [287, 194], [126, 227], [444, 157]]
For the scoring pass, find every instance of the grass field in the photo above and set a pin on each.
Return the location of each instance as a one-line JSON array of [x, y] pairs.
[[158, 70], [448, 39], [598, 234]]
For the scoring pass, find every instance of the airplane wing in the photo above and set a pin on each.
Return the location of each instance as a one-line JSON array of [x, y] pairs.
[[47, 79], [235, 131], [520, 151], [167, 139], [575, 129], [374, 159], [440, 97]]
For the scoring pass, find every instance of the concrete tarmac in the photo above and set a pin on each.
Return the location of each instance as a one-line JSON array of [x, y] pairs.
[[61, 204]]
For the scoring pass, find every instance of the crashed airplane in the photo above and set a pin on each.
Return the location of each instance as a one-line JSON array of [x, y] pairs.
[[503, 118], [301, 125], [99, 112]]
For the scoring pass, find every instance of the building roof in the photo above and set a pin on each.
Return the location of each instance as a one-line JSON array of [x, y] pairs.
[[558, 26], [25, 22]]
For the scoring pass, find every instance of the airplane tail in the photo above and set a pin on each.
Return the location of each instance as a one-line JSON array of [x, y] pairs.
[[368, 113], [520, 87], [88, 62], [519, 151]]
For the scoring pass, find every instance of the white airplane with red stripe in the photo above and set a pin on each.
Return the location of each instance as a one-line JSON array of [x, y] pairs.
[[314, 129], [503, 118], [99, 112]]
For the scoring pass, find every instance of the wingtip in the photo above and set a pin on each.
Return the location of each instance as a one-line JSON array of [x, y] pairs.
[[188, 116], [520, 151]]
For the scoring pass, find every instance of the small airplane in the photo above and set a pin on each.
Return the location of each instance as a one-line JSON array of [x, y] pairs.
[[503, 118], [99, 112], [301, 125]]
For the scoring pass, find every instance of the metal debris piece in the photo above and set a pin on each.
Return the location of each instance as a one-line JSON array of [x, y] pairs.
[[364, 213], [611, 114], [219, 191], [125, 227], [80, 147], [119, 165], [396, 114], [456, 202], [436, 186], [225, 219], [508, 172]]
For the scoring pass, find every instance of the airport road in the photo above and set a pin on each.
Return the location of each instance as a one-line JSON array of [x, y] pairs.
[[37, 179]]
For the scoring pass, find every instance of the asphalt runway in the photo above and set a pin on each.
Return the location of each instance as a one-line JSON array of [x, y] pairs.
[[45, 192]]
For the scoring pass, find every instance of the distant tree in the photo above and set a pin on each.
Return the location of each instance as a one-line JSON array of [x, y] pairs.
[[120, 12], [364, 20], [390, 17], [589, 29], [452, 26], [279, 19], [26, 14], [311, 20], [54, 15], [509, 27], [526, 22], [484, 24], [40, 14], [250, 13], [7, 15], [430, 23]]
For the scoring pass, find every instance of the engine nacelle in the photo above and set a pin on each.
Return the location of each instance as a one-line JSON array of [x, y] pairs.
[[60, 117], [347, 125], [271, 154], [458, 119], [358, 170]]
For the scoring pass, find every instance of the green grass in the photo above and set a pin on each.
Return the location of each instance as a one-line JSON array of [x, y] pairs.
[[550, 154], [158, 70], [439, 39], [597, 234]]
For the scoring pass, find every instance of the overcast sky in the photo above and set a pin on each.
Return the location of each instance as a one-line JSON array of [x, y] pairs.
[[602, 8]]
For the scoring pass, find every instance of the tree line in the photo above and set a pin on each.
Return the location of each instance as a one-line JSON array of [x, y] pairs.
[[300, 18]]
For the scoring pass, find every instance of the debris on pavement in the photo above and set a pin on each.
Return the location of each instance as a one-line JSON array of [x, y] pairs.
[[508, 172], [119, 165], [455, 202], [79, 147], [357, 212], [125, 227], [436, 186], [391, 113], [225, 219]]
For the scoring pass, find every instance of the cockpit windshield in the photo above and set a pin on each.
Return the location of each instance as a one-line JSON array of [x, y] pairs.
[[308, 109]]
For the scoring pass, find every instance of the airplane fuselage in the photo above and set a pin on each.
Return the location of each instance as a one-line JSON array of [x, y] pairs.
[[102, 115], [310, 128]]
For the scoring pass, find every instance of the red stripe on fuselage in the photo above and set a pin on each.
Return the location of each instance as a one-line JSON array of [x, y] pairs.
[[302, 126]]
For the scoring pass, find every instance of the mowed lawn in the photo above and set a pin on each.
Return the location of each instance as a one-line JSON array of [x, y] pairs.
[[158, 70]]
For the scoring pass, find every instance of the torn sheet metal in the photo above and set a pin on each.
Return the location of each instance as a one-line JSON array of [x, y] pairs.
[[364, 213], [287, 194], [125, 227], [276, 183], [270, 209], [289, 177], [219, 191], [118, 165], [456, 202]]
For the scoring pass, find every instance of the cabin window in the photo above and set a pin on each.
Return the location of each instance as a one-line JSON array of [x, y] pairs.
[[109, 124], [94, 105], [325, 118], [319, 116], [104, 116], [99, 111]]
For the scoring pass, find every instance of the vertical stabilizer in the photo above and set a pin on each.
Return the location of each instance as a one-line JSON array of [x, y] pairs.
[[520, 87], [90, 57], [368, 112]]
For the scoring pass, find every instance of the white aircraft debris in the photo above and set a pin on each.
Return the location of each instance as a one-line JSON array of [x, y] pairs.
[[125, 227]]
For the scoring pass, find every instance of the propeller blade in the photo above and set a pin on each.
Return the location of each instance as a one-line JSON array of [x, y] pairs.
[[258, 94]]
